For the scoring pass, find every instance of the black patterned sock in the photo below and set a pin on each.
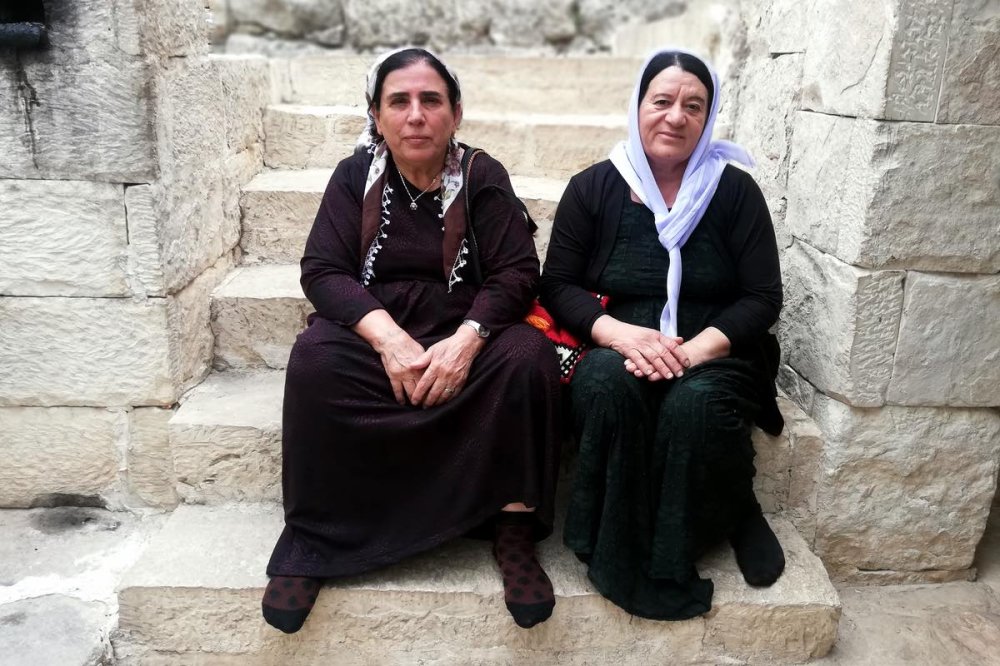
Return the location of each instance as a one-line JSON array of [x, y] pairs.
[[758, 553], [288, 600], [527, 590]]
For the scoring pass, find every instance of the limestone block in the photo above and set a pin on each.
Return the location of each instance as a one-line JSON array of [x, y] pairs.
[[764, 119], [58, 451], [971, 78], [776, 27], [947, 352], [145, 263], [86, 121], [911, 195], [798, 390], [805, 469], [526, 23], [309, 137], [192, 111], [876, 60], [772, 460], [319, 21], [839, 324], [256, 315], [189, 318], [246, 91], [598, 19], [62, 238], [84, 351], [174, 27], [278, 209], [522, 83], [226, 439], [904, 488], [149, 462], [437, 23]]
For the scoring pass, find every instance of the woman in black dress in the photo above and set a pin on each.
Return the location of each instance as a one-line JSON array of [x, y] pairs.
[[683, 364], [418, 407]]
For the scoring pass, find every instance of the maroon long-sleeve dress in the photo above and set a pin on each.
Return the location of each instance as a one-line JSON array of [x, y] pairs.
[[367, 481]]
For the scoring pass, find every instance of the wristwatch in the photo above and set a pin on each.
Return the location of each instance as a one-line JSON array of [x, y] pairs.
[[480, 330]]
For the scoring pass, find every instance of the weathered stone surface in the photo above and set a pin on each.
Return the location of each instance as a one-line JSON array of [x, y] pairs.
[[62, 238], [548, 146], [884, 204], [598, 19], [322, 22], [807, 447], [246, 91], [145, 264], [971, 75], [522, 83], [189, 318], [904, 489], [764, 117], [55, 629], [921, 577], [84, 352], [839, 324], [226, 439], [988, 553], [174, 27], [447, 603], [209, 133], [150, 465], [87, 121], [776, 27], [934, 624], [58, 451], [876, 60], [947, 352], [798, 390], [256, 314], [522, 22]]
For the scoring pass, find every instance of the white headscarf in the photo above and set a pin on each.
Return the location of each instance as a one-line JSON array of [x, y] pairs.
[[701, 178]]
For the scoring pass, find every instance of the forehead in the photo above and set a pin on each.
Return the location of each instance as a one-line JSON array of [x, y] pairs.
[[416, 77], [674, 80]]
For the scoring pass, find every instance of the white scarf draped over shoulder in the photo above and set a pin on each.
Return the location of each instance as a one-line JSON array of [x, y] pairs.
[[701, 178]]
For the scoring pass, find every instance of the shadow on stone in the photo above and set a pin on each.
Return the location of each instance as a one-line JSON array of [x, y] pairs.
[[68, 518]]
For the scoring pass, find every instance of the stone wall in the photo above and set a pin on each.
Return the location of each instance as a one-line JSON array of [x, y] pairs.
[[124, 147], [575, 25], [876, 130]]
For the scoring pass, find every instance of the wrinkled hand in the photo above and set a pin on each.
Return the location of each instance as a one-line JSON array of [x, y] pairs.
[[648, 353], [445, 366], [398, 352]]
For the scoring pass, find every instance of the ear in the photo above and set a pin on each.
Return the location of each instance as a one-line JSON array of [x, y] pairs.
[[458, 115], [375, 114]]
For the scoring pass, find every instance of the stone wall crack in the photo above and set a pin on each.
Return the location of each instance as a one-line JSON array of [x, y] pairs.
[[871, 62]]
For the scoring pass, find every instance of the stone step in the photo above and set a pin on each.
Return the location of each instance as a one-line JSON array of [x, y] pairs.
[[256, 313], [279, 207], [579, 84], [194, 597], [541, 145], [226, 443]]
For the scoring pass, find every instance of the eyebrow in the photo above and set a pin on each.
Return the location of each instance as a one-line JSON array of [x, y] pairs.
[[424, 95], [690, 98]]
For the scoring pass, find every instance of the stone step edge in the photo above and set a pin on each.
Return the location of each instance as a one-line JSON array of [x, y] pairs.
[[314, 181], [217, 556], [613, 121]]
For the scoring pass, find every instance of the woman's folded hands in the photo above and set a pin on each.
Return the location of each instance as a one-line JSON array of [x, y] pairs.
[[648, 353]]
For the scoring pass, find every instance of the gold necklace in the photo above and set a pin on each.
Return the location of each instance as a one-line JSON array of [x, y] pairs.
[[413, 199]]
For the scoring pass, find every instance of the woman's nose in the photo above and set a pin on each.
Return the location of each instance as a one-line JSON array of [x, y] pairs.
[[416, 114], [675, 114]]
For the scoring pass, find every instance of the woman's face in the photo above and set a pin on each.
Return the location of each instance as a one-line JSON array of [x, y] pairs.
[[672, 116], [415, 116]]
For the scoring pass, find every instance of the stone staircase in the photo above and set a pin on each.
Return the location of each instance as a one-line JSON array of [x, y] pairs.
[[194, 597]]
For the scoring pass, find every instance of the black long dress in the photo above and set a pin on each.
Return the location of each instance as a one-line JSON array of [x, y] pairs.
[[665, 469], [367, 481]]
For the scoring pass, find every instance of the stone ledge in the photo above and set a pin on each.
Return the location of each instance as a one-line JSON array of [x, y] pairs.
[[197, 590], [279, 207], [549, 146]]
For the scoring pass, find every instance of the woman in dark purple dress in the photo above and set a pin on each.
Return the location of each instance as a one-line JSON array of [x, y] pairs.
[[418, 407]]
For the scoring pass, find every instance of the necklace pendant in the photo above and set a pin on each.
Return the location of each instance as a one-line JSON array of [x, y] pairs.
[[413, 205]]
